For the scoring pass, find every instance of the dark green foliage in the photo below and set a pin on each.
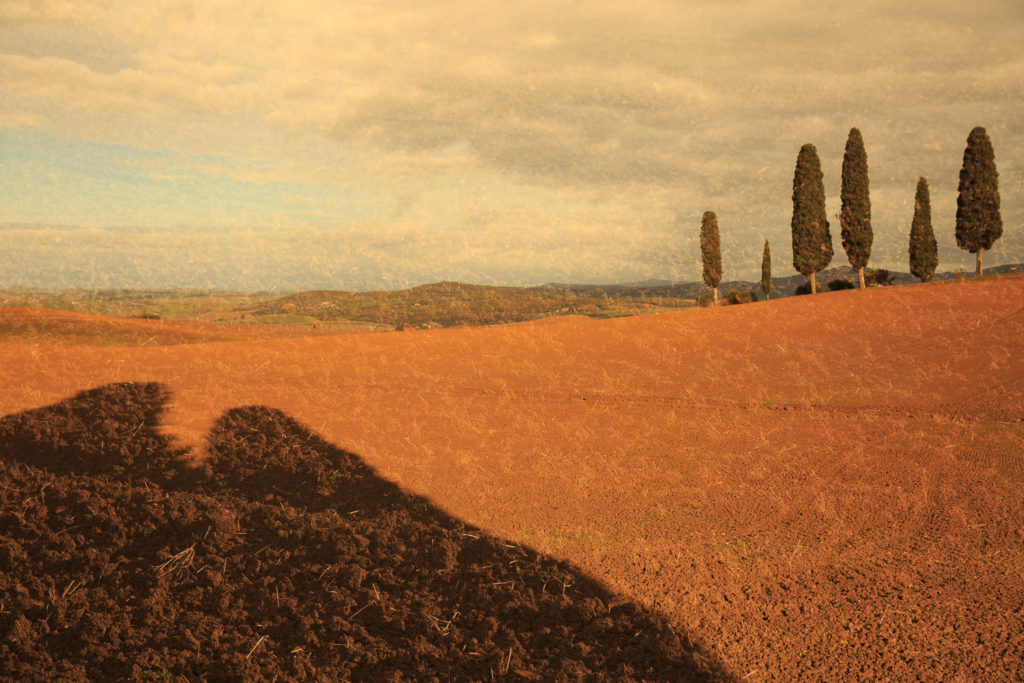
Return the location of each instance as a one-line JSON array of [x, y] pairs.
[[812, 241], [879, 277], [855, 216], [711, 249], [978, 223], [766, 270], [924, 253], [735, 296], [839, 284]]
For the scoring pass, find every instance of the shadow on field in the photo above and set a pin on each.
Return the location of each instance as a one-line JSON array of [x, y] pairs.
[[282, 557], [106, 431]]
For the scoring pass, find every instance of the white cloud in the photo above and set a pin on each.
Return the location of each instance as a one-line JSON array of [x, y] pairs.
[[683, 105], [23, 11]]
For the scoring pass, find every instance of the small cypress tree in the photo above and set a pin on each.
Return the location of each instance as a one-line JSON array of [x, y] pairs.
[[855, 216], [766, 271], [812, 241], [924, 253], [978, 223], [711, 251]]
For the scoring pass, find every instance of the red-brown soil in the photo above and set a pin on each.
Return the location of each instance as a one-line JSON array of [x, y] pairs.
[[825, 487], [283, 556], [47, 326]]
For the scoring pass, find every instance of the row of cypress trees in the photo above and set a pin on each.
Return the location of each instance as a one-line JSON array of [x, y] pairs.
[[978, 221]]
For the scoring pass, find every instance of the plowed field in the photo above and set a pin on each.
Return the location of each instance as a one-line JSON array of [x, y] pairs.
[[819, 488]]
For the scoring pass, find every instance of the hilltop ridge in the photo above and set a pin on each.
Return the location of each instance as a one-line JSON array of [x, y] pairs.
[[440, 304]]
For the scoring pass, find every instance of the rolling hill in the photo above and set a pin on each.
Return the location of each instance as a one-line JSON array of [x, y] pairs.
[[814, 488]]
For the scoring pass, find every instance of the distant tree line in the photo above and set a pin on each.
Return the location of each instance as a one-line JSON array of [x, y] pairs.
[[978, 221]]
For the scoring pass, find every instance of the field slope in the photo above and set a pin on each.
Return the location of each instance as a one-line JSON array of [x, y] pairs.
[[825, 487]]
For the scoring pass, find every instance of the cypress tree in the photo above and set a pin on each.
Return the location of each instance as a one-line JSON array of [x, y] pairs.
[[766, 271], [855, 216], [711, 251], [924, 253], [812, 241], [978, 223]]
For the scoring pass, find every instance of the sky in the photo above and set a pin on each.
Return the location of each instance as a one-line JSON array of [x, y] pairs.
[[315, 144]]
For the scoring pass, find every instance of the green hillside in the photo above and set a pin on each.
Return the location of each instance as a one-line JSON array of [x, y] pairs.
[[446, 304]]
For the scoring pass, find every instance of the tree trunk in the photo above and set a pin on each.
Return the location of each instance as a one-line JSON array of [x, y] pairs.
[[814, 284], [979, 262], [860, 274], [714, 290]]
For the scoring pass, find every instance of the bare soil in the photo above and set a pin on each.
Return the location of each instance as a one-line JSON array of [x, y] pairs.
[[283, 556], [45, 326], [816, 488]]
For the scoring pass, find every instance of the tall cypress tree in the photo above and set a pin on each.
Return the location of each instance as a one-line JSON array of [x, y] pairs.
[[812, 241], [924, 253], [855, 216], [978, 223], [711, 251], [766, 271]]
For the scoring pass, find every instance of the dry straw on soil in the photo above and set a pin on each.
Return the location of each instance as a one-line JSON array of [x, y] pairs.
[[824, 487]]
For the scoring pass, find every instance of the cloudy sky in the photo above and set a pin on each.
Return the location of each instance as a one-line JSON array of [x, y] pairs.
[[261, 144]]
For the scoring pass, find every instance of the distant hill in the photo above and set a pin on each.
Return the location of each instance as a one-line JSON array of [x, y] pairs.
[[447, 304], [442, 304], [781, 286]]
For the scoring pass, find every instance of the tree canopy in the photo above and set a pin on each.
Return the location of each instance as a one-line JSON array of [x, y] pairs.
[[978, 222], [812, 241], [711, 251], [766, 270], [924, 254], [855, 215]]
